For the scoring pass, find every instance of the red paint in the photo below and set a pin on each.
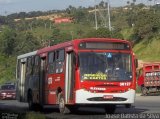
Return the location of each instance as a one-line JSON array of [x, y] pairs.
[[140, 80]]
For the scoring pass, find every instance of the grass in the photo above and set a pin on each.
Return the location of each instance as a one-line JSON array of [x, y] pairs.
[[66, 27], [148, 51], [74, 29], [27, 115], [33, 115], [127, 33]]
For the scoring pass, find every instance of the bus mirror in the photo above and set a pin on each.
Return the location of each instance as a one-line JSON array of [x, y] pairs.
[[136, 63]]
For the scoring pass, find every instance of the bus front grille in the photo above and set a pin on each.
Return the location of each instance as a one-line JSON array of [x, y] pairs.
[[103, 99]]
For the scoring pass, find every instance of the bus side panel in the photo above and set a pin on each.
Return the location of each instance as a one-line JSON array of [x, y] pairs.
[[50, 90], [53, 83]]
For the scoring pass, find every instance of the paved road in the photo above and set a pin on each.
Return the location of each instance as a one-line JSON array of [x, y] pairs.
[[143, 105]]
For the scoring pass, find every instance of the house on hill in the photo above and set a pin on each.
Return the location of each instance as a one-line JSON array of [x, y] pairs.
[[62, 20]]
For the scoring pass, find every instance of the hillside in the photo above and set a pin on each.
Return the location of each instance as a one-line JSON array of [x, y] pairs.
[[138, 25], [148, 51]]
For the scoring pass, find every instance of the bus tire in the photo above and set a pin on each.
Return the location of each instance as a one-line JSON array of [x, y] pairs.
[[144, 90], [63, 109], [128, 105], [110, 109], [73, 109], [30, 101]]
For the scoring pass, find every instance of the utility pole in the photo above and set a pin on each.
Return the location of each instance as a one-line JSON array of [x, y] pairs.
[[104, 19], [95, 13], [109, 19]]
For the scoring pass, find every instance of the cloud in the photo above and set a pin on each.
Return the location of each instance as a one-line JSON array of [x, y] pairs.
[[3, 2]]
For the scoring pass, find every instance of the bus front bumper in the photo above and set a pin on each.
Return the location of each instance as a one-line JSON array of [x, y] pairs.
[[86, 97]]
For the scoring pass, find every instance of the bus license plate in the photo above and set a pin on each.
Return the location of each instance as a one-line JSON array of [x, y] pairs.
[[108, 96]]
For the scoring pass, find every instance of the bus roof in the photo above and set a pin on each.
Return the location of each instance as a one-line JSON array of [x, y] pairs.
[[69, 43], [27, 54], [73, 42]]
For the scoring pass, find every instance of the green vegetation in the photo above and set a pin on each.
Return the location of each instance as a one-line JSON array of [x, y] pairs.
[[127, 32], [33, 115], [148, 51], [138, 89], [139, 24]]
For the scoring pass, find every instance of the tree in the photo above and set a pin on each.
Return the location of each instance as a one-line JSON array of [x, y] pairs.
[[102, 4], [7, 68], [58, 36], [103, 33], [26, 42], [70, 9], [55, 36], [128, 2], [147, 25], [7, 48], [7, 41], [134, 1]]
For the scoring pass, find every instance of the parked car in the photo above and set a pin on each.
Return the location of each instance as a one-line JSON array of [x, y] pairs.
[[8, 91]]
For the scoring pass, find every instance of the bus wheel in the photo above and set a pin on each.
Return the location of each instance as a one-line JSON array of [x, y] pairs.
[[30, 101], [128, 105], [144, 90], [73, 109], [62, 107], [110, 109]]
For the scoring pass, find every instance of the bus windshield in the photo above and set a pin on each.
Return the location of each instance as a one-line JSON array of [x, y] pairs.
[[106, 66]]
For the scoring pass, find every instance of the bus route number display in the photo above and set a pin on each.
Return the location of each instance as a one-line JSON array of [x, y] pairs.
[[104, 45]]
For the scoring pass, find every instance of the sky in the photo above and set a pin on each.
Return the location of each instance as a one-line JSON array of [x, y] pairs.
[[15, 6]]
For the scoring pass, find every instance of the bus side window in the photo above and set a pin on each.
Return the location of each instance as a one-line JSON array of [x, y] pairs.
[[51, 62], [60, 55], [29, 66], [33, 65], [18, 69], [36, 64], [59, 60]]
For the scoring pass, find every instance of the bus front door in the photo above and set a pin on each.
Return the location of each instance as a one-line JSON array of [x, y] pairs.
[[69, 78], [22, 80]]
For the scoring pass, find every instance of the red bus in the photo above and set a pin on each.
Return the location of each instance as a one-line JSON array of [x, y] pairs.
[[82, 72]]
